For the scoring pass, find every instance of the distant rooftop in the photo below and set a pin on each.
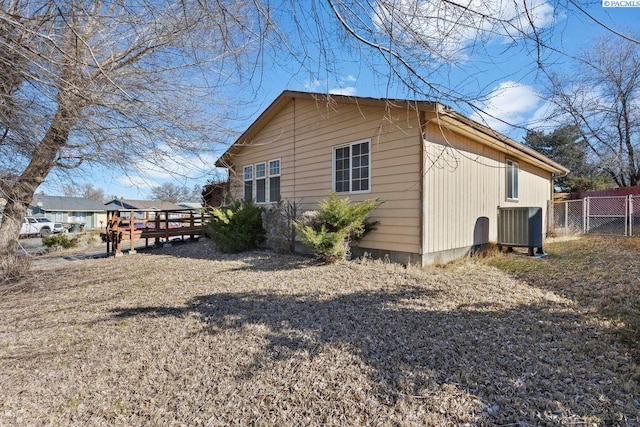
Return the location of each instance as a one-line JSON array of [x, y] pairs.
[[158, 205], [63, 203]]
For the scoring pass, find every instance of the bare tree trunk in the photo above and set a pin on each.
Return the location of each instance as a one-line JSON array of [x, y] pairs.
[[20, 195]]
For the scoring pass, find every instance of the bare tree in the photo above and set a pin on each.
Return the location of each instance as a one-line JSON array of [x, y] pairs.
[[120, 82], [169, 192], [108, 82], [88, 191], [418, 45], [602, 98]]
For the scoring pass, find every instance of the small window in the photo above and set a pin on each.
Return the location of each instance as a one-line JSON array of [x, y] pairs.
[[248, 183], [261, 183], [351, 168], [274, 180], [512, 180]]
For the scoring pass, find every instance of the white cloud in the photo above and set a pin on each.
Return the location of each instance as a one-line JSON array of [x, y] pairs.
[[344, 86], [446, 29], [510, 102], [166, 163], [142, 184], [546, 117], [168, 166], [312, 85], [349, 91]]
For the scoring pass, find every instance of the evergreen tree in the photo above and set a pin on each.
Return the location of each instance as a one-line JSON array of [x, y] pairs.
[[566, 146]]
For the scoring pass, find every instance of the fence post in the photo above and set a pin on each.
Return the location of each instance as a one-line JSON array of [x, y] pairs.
[[566, 217], [585, 215], [626, 216], [630, 215]]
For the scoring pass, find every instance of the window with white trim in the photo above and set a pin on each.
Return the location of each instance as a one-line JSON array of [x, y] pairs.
[[512, 180], [248, 183], [274, 180], [261, 182], [352, 167]]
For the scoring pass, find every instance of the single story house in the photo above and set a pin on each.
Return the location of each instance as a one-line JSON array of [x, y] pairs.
[[194, 206], [149, 207], [69, 210], [146, 205], [441, 175]]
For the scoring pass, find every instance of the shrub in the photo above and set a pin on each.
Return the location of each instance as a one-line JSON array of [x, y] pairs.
[[236, 228], [330, 231], [55, 241], [279, 223]]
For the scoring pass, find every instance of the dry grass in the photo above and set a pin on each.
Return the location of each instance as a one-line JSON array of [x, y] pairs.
[[187, 336], [600, 274]]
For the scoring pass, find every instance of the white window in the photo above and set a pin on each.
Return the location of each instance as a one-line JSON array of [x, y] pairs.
[[512, 180], [248, 182], [352, 168], [261, 183], [274, 180]]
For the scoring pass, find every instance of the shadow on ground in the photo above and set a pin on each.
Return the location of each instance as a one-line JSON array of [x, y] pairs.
[[531, 364]]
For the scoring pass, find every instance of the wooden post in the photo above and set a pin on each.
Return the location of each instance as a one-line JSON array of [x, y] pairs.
[[146, 227], [108, 230], [192, 224], [167, 243], [132, 227]]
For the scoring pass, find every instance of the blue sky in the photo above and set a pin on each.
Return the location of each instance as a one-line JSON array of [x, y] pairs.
[[510, 83]]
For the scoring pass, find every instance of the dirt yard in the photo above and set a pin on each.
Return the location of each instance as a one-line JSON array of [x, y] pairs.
[[188, 336]]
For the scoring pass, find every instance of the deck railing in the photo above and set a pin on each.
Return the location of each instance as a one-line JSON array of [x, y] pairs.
[[160, 225]]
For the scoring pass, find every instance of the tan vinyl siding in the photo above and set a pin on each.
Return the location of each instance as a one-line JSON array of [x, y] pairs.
[[303, 135], [465, 182], [441, 176]]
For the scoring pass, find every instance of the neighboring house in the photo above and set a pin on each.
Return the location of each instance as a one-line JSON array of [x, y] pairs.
[[150, 206], [69, 210], [147, 205], [194, 206], [441, 175]]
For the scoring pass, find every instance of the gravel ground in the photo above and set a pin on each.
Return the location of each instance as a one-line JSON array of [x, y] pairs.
[[189, 336]]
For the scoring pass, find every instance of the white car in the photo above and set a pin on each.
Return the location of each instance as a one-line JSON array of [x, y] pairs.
[[37, 227], [57, 227]]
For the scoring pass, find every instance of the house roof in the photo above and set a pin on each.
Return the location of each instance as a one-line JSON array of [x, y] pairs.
[[190, 205], [127, 204], [66, 204], [446, 116]]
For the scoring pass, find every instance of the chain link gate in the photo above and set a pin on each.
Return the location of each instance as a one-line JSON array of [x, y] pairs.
[[606, 215], [568, 217]]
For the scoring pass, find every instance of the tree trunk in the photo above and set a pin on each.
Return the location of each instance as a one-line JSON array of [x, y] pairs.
[[21, 194]]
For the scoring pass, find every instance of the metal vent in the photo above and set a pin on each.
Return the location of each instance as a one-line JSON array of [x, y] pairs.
[[520, 227]]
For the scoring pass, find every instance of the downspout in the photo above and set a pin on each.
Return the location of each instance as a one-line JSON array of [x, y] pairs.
[[294, 149], [550, 210], [422, 177]]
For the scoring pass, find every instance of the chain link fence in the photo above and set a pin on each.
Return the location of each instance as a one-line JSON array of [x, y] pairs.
[[634, 221], [609, 215]]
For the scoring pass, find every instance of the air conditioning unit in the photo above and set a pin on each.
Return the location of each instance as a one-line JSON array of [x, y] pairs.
[[520, 227]]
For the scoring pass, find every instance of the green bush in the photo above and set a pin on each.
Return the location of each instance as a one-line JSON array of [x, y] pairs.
[[55, 241], [236, 228], [330, 231]]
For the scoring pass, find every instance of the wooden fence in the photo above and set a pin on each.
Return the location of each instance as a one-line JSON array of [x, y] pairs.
[[161, 226]]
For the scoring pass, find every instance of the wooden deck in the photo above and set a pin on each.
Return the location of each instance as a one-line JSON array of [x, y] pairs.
[[161, 226]]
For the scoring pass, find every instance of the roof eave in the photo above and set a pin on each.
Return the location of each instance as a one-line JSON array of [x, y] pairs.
[[224, 161], [461, 124]]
